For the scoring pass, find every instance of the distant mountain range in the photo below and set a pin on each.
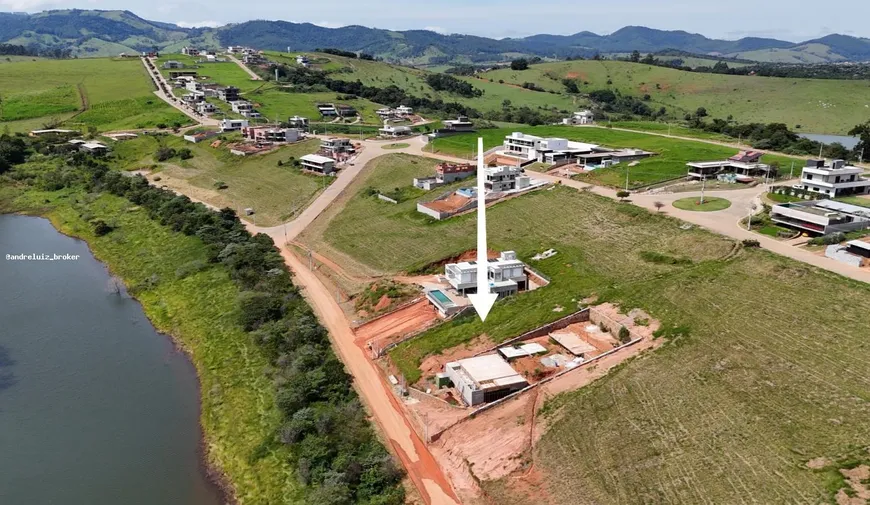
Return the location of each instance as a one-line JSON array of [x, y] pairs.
[[106, 33]]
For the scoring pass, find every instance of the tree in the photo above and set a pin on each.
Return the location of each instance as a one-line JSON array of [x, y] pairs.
[[659, 206], [622, 194], [862, 131], [520, 64], [701, 112], [635, 56]]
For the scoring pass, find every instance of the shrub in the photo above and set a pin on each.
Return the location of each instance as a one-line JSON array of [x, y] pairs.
[[101, 228], [830, 239], [624, 335], [751, 243], [622, 194]]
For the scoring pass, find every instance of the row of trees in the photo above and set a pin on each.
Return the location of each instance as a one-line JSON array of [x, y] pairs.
[[346, 54], [450, 84], [333, 448]]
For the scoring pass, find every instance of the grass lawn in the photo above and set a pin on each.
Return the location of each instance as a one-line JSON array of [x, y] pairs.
[[118, 92], [676, 130], [200, 310], [711, 204], [272, 103], [855, 200], [398, 145], [252, 181], [780, 198], [817, 105], [670, 163]]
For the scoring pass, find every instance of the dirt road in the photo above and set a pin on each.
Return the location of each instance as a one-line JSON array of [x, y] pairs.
[[421, 466], [254, 77]]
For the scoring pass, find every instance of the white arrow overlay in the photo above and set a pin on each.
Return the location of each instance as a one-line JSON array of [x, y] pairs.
[[483, 299]]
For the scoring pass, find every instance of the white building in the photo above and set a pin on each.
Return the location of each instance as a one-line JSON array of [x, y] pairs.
[[205, 108], [822, 217], [394, 131], [404, 110], [504, 178], [302, 60], [460, 124], [484, 378], [233, 124], [580, 117], [506, 275], [834, 180], [336, 145], [317, 163], [298, 122], [548, 150], [242, 106]]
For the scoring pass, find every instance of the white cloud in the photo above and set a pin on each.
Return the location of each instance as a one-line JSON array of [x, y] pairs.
[[199, 24]]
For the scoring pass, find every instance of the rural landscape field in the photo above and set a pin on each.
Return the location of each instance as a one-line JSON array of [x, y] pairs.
[[387, 267]]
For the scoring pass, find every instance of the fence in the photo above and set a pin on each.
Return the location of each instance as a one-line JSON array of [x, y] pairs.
[[387, 198]]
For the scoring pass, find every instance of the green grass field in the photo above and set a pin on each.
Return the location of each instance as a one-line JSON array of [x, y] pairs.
[[675, 130], [117, 91], [275, 193], [200, 311], [817, 105], [670, 163], [226, 73], [711, 204], [272, 103]]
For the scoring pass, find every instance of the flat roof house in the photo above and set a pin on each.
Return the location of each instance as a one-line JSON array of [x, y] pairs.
[[834, 180], [506, 275], [241, 106], [404, 110], [445, 173], [745, 163], [504, 178], [93, 147], [548, 150], [336, 145], [175, 74], [298, 122], [271, 134], [484, 378], [173, 64], [327, 109], [345, 111], [228, 94], [821, 216], [233, 124], [460, 124], [190, 51], [317, 163], [301, 59], [205, 108], [54, 131], [394, 131]]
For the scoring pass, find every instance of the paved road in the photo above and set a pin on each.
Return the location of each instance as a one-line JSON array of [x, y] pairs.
[[171, 100], [250, 72]]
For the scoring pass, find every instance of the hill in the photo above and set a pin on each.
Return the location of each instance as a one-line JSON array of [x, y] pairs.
[[810, 105], [106, 33]]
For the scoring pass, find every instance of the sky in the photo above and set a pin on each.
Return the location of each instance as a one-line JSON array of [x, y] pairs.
[[730, 19]]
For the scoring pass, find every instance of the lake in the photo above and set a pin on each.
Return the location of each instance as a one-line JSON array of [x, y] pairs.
[[848, 142], [96, 407]]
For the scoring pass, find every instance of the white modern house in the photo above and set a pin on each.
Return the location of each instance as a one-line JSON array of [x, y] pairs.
[[336, 145], [445, 173], [504, 178], [242, 106], [460, 124], [298, 122], [404, 110], [205, 108], [302, 60], [744, 163], [483, 378], [391, 131], [233, 124], [317, 163], [821, 217], [506, 275], [834, 180], [527, 148], [580, 117]]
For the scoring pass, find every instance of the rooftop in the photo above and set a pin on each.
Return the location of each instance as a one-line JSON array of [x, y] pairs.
[[316, 158], [489, 370]]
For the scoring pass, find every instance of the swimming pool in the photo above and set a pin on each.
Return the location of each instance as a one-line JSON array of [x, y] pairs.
[[441, 297]]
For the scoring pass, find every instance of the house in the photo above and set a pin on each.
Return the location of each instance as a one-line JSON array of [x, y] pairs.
[[821, 217], [460, 124], [529, 148], [580, 117], [210, 58], [834, 180], [317, 163], [504, 178], [391, 131], [228, 94], [744, 163], [205, 108], [271, 134], [446, 173], [253, 59], [173, 64], [117, 137], [176, 74], [193, 97], [385, 113], [233, 124], [336, 145], [298, 122], [483, 379], [506, 275], [606, 157], [302, 60], [345, 111], [199, 137], [327, 109], [190, 51], [93, 147], [52, 131], [192, 85], [404, 110], [241, 106]]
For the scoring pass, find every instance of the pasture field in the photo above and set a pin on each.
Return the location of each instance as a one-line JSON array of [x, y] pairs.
[[275, 193], [751, 385], [200, 310], [272, 103], [817, 105], [670, 163], [117, 93], [676, 130], [413, 81]]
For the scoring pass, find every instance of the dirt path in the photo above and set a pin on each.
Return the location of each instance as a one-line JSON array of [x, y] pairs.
[[254, 77], [421, 466]]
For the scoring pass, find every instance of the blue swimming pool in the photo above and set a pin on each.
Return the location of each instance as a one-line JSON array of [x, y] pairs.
[[441, 297]]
